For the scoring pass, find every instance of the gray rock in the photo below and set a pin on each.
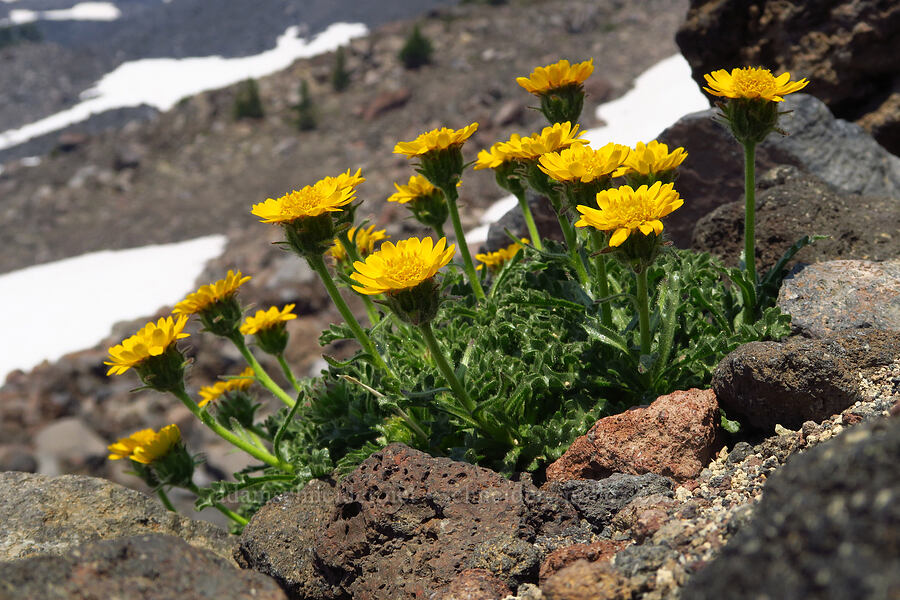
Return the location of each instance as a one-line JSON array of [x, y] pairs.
[[50, 515], [842, 294], [598, 501], [14, 457], [136, 567], [826, 527], [278, 540], [791, 204], [763, 384], [68, 441], [837, 151]]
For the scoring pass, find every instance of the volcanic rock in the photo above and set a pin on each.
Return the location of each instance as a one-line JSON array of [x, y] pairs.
[[848, 49], [826, 526], [764, 384], [842, 294], [674, 437], [139, 567]]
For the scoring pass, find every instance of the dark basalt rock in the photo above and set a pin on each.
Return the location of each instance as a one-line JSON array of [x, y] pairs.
[[849, 50], [763, 384], [828, 526]]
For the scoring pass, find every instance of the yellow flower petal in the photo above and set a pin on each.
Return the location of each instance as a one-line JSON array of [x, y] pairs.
[[752, 82], [557, 75], [402, 266]]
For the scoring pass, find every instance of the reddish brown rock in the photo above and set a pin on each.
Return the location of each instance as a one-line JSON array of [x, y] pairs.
[[405, 523], [585, 580], [674, 437], [476, 584], [561, 558]]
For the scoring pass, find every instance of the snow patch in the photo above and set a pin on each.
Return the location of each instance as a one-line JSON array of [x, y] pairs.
[[162, 82], [68, 305], [84, 11]]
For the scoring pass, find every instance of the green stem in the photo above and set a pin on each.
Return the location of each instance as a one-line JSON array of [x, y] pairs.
[[238, 340], [220, 507], [288, 373], [230, 437], [572, 244], [451, 196], [750, 210], [371, 311], [529, 221], [439, 230], [164, 498], [602, 278], [446, 370], [317, 264], [643, 306]]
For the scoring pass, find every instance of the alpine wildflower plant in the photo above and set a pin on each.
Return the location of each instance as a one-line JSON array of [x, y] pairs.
[[504, 379]]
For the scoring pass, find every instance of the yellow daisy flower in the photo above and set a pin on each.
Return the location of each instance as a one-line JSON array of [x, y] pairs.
[[365, 242], [152, 340], [555, 76], [551, 139], [208, 295], [652, 157], [625, 210], [146, 446], [582, 163], [326, 195], [492, 158], [264, 319], [417, 187], [346, 180], [752, 82], [495, 260], [400, 267], [210, 393], [436, 139]]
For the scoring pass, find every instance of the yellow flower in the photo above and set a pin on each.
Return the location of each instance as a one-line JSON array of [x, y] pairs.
[[551, 139], [152, 340], [264, 319], [492, 158], [209, 393], [365, 242], [209, 294], [557, 75], [652, 157], [582, 163], [346, 180], [326, 195], [752, 82], [436, 139], [417, 187], [494, 260], [401, 267], [625, 210], [146, 446]]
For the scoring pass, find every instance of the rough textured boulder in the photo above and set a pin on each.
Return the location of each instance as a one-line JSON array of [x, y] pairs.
[[279, 538], [50, 515], [404, 524], [849, 49], [601, 550], [842, 294], [137, 567], [583, 580], [763, 384], [476, 584], [790, 205], [827, 527], [674, 436]]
